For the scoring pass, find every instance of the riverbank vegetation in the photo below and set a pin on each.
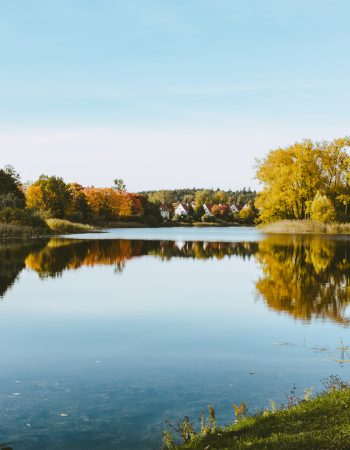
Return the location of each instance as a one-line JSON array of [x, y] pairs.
[[62, 226], [50, 205], [16, 220], [306, 227], [321, 423]]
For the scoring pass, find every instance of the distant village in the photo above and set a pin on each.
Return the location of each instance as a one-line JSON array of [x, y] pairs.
[[182, 210]]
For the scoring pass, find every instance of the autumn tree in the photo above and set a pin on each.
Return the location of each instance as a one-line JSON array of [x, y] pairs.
[[107, 204], [79, 209], [50, 196], [220, 197], [247, 214], [292, 176], [203, 196], [162, 196]]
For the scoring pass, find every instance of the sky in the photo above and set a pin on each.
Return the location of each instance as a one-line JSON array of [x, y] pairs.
[[168, 93]]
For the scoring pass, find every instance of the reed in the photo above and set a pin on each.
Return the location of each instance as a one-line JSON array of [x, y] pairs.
[[305, 227], [8, 230], [61, 226]]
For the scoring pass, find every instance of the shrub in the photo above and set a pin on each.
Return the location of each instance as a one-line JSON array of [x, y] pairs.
[[21, 217], [208, 218], [322, 209]]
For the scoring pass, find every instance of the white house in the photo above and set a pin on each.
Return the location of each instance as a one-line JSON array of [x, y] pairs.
[[181, 209], [164, 211], [207, 209], [235, 209]]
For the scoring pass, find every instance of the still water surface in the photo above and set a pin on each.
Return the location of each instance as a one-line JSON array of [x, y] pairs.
[[104, 337]]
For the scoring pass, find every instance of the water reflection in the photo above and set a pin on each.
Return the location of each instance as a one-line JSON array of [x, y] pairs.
[[12, 260], [305, 277]]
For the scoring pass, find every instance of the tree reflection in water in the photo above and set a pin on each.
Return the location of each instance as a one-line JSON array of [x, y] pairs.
[[303, 276], [306, 276]]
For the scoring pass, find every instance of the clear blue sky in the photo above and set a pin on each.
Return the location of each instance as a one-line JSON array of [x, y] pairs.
[[168, 93]]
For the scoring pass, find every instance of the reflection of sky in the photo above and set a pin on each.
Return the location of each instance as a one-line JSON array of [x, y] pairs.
[[179, 334], [210, 234]]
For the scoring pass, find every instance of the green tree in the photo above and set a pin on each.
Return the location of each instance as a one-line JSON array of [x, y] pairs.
[[11, 194], [119, 185], [162, 196], [220, 197], [203, 196]]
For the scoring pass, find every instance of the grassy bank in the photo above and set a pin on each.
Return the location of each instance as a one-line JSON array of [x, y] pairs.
[[61, 226], [322, 423], [21, 231], [306, 227]]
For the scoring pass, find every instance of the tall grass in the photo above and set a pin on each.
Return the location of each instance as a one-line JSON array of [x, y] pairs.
[[62, 226], [306, 227], [8, 230]]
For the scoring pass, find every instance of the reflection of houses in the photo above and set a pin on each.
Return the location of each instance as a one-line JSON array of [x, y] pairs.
[[180, 244], [164, 211]]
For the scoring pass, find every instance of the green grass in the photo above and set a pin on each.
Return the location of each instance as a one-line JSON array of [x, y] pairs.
[[322, 423], [306, 227], [61, 226]]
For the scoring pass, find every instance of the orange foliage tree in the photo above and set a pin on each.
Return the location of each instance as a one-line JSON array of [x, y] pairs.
[[110, 204]]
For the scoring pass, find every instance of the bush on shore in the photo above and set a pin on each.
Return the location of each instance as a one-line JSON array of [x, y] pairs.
[[306, 227], [8, 230], [63, 226], [21, 217]]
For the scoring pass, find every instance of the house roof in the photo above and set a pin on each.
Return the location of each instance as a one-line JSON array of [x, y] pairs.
[[236, 205], [205, 205], [185, 206], [164, 207]]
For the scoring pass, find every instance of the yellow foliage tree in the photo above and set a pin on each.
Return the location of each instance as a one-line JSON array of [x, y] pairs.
[[292, 176]]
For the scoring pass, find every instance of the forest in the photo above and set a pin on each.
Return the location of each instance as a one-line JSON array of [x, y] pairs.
[[49, 201]]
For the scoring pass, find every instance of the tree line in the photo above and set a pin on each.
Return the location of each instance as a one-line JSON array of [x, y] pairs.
[[199, 196], [51, 197], [32, 204]]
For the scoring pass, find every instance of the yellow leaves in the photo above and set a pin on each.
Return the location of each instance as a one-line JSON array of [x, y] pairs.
[[292, 176], [34, 197], [110, 204]]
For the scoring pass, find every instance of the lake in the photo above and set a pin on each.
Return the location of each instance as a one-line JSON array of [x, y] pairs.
[[106, 336]]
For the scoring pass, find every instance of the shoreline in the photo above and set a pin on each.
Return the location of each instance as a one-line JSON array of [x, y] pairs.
[[320, 422], [22, 232]]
